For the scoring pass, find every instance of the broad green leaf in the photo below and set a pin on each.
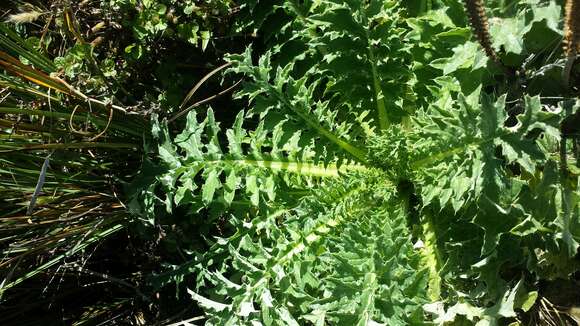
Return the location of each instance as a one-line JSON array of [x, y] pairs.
[[212, 182]]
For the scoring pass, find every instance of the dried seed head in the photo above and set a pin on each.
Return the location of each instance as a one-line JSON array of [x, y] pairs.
[[24, 17], [479, 24], [572, 28]]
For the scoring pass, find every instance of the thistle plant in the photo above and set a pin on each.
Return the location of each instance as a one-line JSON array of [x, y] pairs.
[[340, 203], [369, 169]]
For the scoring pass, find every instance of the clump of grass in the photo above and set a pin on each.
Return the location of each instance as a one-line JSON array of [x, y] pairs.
[[63, 159]]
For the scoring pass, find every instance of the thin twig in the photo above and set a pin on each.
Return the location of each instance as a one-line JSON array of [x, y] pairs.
[[77, 93], [183, 322], [99, 135], [67, 219], [70, 122], [112, 279], [203, 80], [180, 114], [80, 145], [44, 31]]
